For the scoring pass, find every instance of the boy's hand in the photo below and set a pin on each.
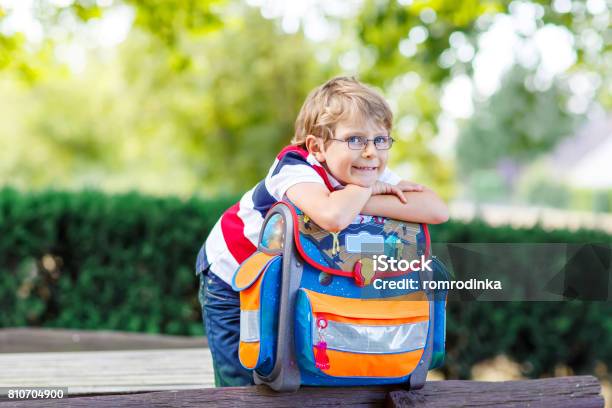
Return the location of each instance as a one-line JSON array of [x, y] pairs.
[[381, 187], [406, 185]]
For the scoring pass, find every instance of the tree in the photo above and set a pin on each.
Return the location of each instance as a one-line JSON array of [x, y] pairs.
[[207, 61], [513, 124], [415, 37], [136, 121]]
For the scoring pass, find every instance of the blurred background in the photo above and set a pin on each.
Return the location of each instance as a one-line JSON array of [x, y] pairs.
[[500, 102], [127, 126]]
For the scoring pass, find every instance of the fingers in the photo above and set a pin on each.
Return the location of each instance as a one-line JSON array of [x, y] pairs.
[[386, 188], [412, 187], [400, 194]]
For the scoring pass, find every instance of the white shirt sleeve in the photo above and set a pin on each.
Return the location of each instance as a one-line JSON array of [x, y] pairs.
[[290, 175], [389, 176]]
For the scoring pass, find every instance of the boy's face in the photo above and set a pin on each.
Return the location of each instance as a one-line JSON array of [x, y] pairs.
[[360, 167]]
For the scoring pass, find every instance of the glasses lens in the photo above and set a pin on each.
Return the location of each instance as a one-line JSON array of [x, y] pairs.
[[356, 142], [382, 142]]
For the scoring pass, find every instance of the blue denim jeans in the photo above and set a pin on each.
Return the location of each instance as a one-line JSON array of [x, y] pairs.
[[221, 315]]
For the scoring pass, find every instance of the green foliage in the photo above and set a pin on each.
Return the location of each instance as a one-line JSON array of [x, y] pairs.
[[135, 122], [515, 124], [8, 48], [382, 27], [602, 201], [96, 262], [257, 82], [26, 66], [591, 200], [86, 12], [538, 185], [169, 19], [538, 335], [488, 186], [202, 86], [92, 261], [547, 193], [384, 24]]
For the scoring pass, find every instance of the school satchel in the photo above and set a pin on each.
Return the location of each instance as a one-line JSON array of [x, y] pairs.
[[313, 310]]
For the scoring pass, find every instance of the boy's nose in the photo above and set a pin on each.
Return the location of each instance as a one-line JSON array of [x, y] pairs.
[[369, 150]]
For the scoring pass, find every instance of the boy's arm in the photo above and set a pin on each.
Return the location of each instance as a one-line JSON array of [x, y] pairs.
[[335, 210], [332, 211], [422, 206]]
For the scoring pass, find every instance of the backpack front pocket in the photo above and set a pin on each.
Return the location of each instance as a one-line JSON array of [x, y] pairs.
[[347, 337], [258, 280]]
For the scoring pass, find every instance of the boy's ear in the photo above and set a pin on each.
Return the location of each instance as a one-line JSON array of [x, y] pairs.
[[314, 145]]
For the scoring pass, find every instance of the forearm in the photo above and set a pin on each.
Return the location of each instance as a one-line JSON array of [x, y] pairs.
[[332, 211], [425, 207], [342, 206]]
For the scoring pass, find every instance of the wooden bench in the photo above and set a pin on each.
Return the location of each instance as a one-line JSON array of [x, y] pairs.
[[97, 372], [181, 374], [92, 362], [566, 392], [27, 339]]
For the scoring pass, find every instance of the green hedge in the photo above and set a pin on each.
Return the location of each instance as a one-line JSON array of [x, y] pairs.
[[93, 261], [539, 335]]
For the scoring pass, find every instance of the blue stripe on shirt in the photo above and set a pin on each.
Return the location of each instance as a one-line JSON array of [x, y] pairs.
[[262, 200], [291, 158]]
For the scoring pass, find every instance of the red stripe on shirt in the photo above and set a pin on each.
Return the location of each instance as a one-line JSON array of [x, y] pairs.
[[323, 175], [320, 170], [232, 228], [292, 148]]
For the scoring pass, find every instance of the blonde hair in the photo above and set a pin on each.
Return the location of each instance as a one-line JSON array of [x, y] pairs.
[[340, 98]]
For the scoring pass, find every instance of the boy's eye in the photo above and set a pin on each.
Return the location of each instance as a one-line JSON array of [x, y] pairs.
[[380, 140], [383, 142], [355, 140]]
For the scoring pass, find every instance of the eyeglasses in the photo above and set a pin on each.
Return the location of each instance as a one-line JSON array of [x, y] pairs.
[[359, 142]]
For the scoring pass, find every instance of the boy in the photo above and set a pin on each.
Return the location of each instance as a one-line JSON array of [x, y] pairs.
[[334, 170]]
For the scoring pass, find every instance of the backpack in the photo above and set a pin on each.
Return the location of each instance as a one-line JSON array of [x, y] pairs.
[[312, 310]]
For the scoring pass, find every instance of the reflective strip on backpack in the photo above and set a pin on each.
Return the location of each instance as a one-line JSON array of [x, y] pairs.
[[249, 325], [357, 338]]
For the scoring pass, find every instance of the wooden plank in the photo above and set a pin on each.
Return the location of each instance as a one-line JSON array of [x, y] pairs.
[[581, 391], [567, 392], [24, 339], [109, 371], [257, 396]]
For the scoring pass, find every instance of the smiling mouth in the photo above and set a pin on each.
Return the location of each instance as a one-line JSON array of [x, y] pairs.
[[365, 168]]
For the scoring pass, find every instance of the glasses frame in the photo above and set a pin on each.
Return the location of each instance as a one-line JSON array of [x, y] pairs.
[[367, 142]]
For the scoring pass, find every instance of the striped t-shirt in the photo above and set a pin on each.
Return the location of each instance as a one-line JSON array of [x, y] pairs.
[[234, 237]]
